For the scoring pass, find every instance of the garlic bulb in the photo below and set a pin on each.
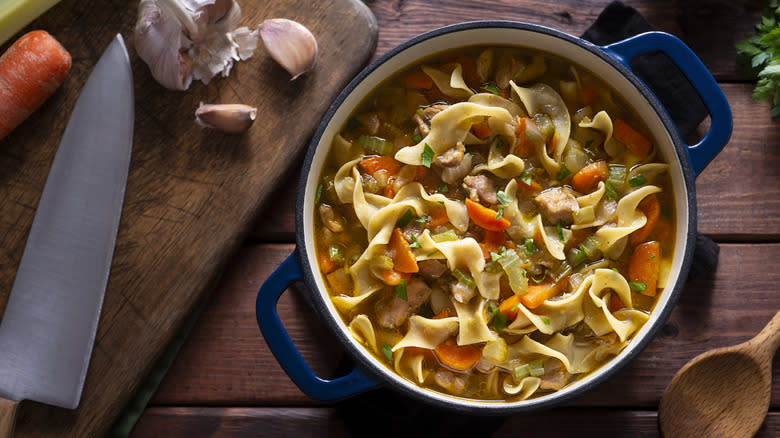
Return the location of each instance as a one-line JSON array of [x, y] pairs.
[[231, 118], [182, 40], [290, 44]]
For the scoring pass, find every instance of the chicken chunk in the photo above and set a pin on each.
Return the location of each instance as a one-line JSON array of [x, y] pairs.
[[555, 375], [331, 219], [451, 157], [480, 188], [432, 268], [558, 204], [394, 313], [423, 120]]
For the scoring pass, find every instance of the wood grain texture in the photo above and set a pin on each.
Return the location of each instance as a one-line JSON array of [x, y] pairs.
[[7, 417], [164, 422], [737, 195], [226, 361], [191, 194], [709, 27]]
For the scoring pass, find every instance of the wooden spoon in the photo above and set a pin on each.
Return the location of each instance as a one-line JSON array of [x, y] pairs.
[[724, 392]]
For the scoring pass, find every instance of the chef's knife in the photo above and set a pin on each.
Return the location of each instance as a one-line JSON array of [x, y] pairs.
[[48, 329]]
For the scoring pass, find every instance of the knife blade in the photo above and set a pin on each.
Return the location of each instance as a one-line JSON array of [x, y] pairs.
[[48, 329]]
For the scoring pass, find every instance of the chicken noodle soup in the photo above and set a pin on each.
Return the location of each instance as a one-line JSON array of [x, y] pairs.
[[494, 223]]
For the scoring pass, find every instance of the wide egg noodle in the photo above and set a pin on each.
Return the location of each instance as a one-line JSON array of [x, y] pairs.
[[473, 328], [451, 126], [459, 254], [490, 99], [410, 365], [344, 181], [521, 391], [347, 304], [629, 219], [559, 313], [551, 240], [542, 98], [650, 170], [600, 122], [427, 333], [450, 83], [585, 217], [583, 357], [503, 166], [362, 330], [527, 347], [607, 281]]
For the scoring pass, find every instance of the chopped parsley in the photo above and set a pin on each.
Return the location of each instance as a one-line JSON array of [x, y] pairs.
[[499, 321], [423, 219], [563, 172], [500, 213], [637, 286], [637, 181], [318, 196], [407, 217], [545, 319], [427, 156], [496, 256], [443, 187], [503, 198], [559, 230], [414, 244], [526, 178], [610, 191], [499, 143], [400, 290], [417, 138], [490, 88], [528, 246], [388, 351], [539, 280]]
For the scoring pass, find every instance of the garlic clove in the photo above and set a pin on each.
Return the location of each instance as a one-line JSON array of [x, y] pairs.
[[290, 44], [232, 118]]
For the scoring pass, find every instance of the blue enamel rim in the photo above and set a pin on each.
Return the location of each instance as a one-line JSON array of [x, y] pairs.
[[368, 374]]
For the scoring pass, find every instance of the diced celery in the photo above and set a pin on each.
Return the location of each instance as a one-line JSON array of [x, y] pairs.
[[617, 176], [447, 236], [536, 367], [375, 144], [464, 277], [521, 372], [515, 273], [336, 253]]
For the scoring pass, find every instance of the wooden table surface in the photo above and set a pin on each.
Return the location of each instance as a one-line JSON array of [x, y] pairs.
[[225, 382]]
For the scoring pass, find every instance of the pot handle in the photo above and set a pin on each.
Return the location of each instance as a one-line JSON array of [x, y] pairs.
[[283, 348], [700, 154]]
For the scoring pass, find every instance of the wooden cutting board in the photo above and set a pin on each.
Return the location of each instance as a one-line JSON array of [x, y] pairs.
[[192, 194]]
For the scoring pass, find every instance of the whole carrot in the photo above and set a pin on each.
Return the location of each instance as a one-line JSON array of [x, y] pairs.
[[30, 71]]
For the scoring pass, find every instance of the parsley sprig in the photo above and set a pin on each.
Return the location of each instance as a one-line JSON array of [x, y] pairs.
[[760, 55]]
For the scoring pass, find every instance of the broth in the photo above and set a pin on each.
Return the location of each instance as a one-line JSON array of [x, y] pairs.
[[494, 223]]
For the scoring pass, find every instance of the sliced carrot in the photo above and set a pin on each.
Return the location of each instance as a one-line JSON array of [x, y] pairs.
[[652, 210], [481, 130], [404, 260], [663, 229], [530, 188], [539, 293], [326, 264], [553, 143], [644, 265], [635, 141], [587, 178], [31, 70], [438, 217], [443, 314], [588, 94], [391, 277], [417, 79], [491, 242], [373, 165], [457, 357], [390, 188], [614, 303], [486, 217], [527, 137], [509, 307]]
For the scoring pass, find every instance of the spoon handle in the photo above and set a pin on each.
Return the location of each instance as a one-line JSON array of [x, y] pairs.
[[768, 340]]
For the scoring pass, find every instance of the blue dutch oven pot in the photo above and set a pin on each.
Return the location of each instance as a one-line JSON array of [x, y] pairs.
[[612, 64]]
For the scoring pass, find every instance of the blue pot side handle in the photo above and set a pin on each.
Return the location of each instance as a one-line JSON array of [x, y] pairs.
[[283, 348], [700, 154]]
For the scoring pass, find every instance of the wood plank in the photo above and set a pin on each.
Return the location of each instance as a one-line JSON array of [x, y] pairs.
[[226, 361], [690, 21], [328, 422], [191, 193], [738, 194], [166, 422]]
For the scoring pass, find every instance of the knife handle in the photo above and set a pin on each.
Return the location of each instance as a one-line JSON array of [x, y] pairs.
[[7, 417]]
